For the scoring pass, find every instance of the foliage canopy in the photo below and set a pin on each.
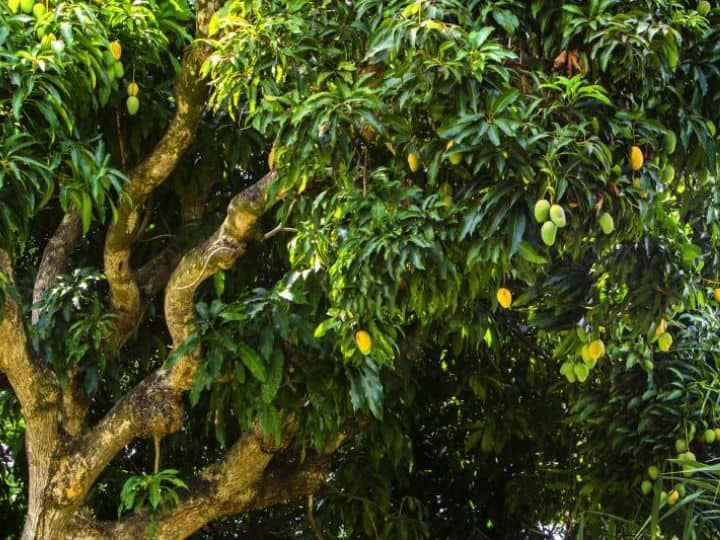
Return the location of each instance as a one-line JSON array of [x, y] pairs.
[[409, 142]]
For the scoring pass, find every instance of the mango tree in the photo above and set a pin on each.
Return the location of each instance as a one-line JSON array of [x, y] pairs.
[[384, 268]]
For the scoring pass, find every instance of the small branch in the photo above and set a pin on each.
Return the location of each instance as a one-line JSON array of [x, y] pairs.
[[278, 230], [156, 467], [311, 518]]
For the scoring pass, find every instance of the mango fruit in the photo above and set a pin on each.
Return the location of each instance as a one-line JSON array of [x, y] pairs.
[[670, 142], [581, 372], [557, 215], [709, 436], [133, 89], [653, 472], [596, 349], [668, 174], [363, 341], [108, 59], [703, 7], [38, 10], [14, 5], [504, 297], [680, 446], [636, 158], [661, 328], [27, 6], [646, 487], [118, 70], [413, 162], [607, 224], [454, 158], [716, 294], [673, 497], [541, 210], [132, 104], [115, 49], [548, 232], [665, 342]]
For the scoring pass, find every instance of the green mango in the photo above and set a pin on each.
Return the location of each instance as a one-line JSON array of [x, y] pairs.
[[668, 174], [119, 70], [670, 142], [680, 446], [38, 10], [541, 210], [548, 232], [133, 104], [646, 487], [606, 223], [14, 5], [108, 59], [709, 436], [27, 6], [557, 215], [581, 372]]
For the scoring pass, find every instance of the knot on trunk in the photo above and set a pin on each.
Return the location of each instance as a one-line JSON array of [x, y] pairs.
[[158, 411]]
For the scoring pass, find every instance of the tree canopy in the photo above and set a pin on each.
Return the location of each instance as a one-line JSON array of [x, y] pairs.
[[370, 269]]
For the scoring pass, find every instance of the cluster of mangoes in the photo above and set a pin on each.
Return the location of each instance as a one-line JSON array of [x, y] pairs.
[[132, 103], [111, 59], [589, 353], [37, 9], [552, 217], [669, 498]]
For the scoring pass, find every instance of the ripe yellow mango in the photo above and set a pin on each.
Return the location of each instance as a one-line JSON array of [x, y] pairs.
[[363, 341], [504, 297], [665, 342], [413, 162], [596, 349], [636, 158]]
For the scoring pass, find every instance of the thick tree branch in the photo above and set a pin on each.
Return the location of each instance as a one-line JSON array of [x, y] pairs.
[[243, 480], [190, 95], [154, 408], [52, 264], [218, 252], [38, 392], [55, 256], [33, 384]]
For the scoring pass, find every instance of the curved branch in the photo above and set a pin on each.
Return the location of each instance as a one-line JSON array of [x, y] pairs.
[[154, 407], [243, 480], [218, 252], [191, 92]]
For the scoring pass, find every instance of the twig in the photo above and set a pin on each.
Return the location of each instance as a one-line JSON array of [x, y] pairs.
[[311, 519]]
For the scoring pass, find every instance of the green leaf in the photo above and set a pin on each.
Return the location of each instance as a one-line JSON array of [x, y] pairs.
[[253, 362], [530, 254]]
